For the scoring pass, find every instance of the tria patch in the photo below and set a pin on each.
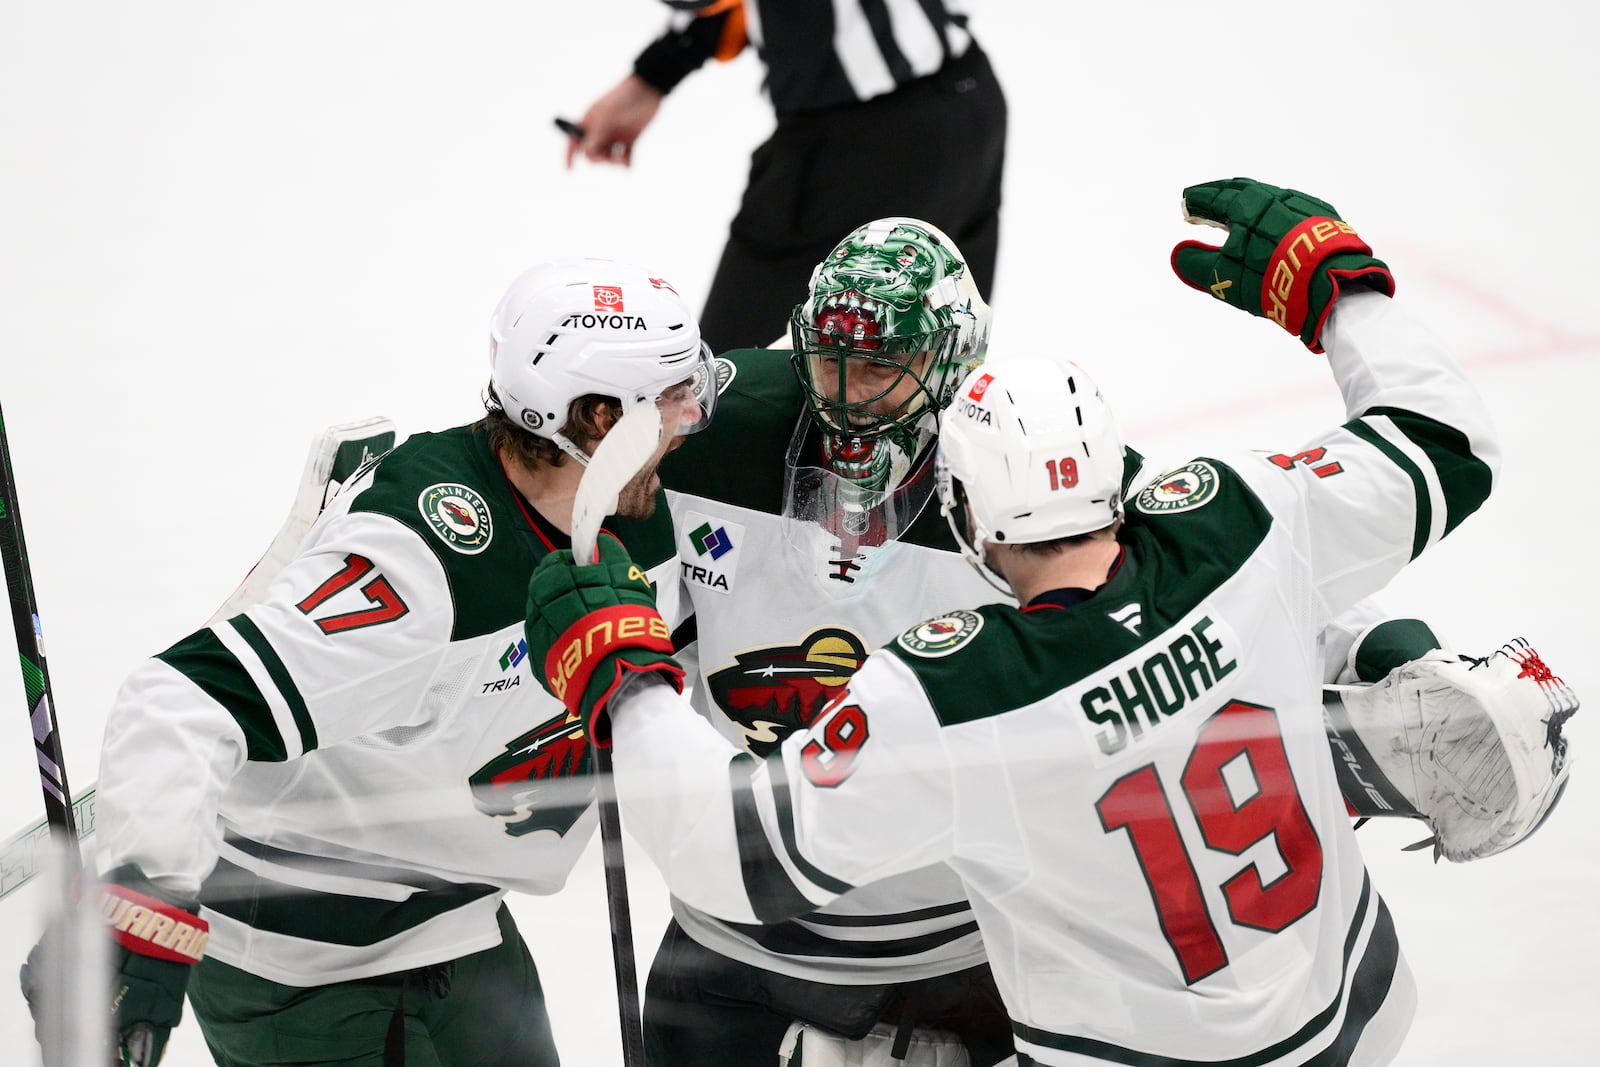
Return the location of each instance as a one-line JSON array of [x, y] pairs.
[[708, 551], [1190, 486], [458, 514], [941, 636]]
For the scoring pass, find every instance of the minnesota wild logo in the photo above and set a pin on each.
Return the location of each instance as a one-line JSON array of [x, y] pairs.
[[458, 514], [541, 781], [771, 692], [941, 636], [1188, 487]]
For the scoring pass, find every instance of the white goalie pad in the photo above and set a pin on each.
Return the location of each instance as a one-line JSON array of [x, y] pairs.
[[337, 454], [810, 1046], [1475, 747]]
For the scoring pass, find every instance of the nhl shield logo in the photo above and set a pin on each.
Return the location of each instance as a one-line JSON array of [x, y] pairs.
[[459, 516], [941, 636], [1188, 487]]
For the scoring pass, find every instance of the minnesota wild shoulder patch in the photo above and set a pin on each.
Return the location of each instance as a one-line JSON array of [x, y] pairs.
[[941, 636], [1188, 487], [458, 514]]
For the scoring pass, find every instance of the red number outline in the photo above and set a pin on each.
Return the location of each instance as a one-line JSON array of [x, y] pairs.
[[1138, 803], [377, 591], [844, 731]]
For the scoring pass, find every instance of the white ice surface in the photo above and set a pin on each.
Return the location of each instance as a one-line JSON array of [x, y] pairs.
[[223, 226]]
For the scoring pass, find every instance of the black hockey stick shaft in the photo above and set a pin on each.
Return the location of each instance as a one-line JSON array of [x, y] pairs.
[[617, 909], [35, 674]]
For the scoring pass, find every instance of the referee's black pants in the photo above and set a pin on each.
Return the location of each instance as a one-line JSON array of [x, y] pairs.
[[933, 149]]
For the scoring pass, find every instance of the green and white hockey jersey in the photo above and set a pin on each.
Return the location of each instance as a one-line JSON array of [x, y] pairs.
[[785, 613], [361, 765], [1134, 787]]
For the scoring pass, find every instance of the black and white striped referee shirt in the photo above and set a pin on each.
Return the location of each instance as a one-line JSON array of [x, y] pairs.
[[818, 53]]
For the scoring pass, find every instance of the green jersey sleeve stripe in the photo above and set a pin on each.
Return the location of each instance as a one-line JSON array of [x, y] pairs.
[[781, 803], [280, 678], [1464, 479], [1419, 536], [205, 661], [1362, 992], [772, 893]]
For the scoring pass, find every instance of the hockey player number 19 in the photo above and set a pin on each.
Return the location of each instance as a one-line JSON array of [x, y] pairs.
[[1240, 786]]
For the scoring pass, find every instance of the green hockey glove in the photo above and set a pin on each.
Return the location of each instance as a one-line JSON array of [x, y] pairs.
[[158, 938], [1286, 258], [593, 625]]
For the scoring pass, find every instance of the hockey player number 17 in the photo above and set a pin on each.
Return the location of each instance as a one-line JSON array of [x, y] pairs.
[[378, 591], [1240, 786]]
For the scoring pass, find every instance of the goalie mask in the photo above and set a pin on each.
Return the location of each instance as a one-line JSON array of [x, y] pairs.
[[892, 322], [590, 326], [1030, 450]]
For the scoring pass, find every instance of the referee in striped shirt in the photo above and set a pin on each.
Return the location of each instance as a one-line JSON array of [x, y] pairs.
[[884, 107]]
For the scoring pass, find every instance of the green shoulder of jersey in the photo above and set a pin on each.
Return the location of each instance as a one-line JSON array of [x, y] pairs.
[[987, 661], [739, 458], [449, 488]]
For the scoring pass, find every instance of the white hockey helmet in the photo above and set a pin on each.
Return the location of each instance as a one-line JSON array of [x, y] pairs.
[[592, 326], [1035, 450]]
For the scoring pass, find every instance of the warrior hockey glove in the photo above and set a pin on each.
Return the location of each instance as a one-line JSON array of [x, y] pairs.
[[592, 627], [158, 938], [1475, 747], [1286, 258]]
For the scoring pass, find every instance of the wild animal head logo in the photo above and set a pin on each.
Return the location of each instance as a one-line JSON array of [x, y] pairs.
[[541, 781], [771, 692]]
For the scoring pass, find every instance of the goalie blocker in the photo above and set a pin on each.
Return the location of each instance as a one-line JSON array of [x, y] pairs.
[[1473, 746]]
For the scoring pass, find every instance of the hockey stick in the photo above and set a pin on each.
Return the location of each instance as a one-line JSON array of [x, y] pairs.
[[35, 675], [621, 454], [336, 456]]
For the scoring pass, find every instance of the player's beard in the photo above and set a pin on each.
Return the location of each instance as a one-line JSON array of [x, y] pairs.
[[637, 500]]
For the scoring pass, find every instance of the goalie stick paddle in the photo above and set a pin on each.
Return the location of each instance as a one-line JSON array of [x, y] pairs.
[[337, 455], [621, 454], [35, 674]]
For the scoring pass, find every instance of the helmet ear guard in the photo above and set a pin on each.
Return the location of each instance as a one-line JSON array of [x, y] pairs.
[[1030, 451], [596, 327]]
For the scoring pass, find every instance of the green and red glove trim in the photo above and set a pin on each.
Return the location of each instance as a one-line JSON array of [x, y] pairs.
[[578, 655], [152, 927], [1287, 256]]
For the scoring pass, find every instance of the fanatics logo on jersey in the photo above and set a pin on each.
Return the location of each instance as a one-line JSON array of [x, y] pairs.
[[459, 515], [608, 298], [941, 636], [1187, 487]]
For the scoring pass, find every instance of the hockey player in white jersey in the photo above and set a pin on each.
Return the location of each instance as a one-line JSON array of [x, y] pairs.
[[1147, 824], [338, 785], [806, 539]]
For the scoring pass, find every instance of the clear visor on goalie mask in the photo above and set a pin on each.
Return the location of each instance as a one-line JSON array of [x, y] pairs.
[[687, 405], [858, 383]]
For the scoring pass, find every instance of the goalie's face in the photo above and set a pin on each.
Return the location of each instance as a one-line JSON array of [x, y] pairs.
[[868, 391]]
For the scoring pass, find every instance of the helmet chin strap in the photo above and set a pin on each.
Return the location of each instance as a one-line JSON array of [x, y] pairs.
[[564, 443]]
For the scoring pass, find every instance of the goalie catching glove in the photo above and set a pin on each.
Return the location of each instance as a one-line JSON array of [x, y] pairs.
[[1474, 747], [159, 938], [1286, 258], [593, 627]]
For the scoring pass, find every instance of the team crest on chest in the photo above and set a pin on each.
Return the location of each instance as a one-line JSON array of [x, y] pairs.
[[941, 636], [1188, 487], [458, 514]]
